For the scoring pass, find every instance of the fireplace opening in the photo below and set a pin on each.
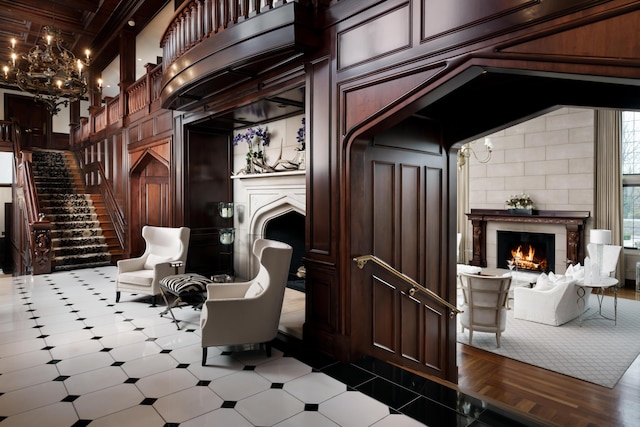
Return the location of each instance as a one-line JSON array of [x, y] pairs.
[[290, 228], [530, 251]]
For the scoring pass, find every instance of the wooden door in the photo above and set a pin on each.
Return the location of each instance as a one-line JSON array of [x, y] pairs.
[[34, 119], [149, 199], [398, 193]]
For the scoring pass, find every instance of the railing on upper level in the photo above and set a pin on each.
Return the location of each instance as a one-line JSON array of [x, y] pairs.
[[197, 20]]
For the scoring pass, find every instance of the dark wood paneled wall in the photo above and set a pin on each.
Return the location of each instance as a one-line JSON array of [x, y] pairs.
[[460, 70]]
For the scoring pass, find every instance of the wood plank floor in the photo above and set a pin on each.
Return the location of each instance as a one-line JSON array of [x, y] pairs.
[[553, 398]]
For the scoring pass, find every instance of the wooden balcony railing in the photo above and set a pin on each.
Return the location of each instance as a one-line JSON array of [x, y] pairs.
[[197, 20]]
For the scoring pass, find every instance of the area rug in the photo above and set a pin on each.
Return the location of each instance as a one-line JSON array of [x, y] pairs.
[[598, 352]]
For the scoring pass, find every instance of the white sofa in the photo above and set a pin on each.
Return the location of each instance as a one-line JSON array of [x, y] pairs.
[[553, 300]]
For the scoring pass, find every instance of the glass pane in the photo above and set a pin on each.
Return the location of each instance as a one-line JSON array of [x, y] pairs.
[[630, 142], [631, 216]]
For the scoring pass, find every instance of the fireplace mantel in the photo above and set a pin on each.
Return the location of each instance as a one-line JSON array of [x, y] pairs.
[[574, 221]]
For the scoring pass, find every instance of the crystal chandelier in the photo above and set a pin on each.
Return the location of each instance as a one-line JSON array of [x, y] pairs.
[[49, 71]]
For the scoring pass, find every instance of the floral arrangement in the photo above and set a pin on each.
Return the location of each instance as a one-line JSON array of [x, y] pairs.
[[251, 136], [302, 132], [522, 201]]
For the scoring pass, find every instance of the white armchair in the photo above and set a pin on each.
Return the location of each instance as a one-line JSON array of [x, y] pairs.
[[484, 307], [164, 246], [248, 312], [553, 300]]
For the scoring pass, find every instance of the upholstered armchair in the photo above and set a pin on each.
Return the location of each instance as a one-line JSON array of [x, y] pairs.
[[248, 312], [553, 300], [164, 246], [484, 306]]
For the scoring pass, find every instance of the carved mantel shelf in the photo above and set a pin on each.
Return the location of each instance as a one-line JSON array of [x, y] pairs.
[[574, 221]]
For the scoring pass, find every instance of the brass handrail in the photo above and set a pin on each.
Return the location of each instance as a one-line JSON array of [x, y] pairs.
[[415, 286]]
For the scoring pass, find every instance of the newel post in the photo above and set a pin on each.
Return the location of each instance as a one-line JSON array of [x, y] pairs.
[[41, 252]]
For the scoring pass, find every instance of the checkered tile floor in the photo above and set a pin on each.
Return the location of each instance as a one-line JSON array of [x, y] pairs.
[[71, 356]]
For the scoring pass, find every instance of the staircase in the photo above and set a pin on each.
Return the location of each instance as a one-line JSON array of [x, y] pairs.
[[82, 235]]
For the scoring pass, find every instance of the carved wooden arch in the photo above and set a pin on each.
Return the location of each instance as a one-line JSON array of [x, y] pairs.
[[150, 191]]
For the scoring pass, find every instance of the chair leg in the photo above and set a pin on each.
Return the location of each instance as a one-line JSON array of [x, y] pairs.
[[204, 356], [117, 296], [153, 300], [470, 336], [498, 338]]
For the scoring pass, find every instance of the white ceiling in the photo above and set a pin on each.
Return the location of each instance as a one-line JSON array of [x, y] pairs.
[[147, 50]]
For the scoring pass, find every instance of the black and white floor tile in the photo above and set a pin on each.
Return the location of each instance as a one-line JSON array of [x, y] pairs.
[[71, 356]]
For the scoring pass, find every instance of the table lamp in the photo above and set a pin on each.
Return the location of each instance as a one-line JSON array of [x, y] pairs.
[[600, 238]]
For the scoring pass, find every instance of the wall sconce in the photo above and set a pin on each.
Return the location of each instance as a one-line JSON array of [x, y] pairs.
[[227, 235], [467, 150], [225, 209]]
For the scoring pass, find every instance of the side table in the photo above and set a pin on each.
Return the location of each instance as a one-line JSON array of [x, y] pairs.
[[598, 289]]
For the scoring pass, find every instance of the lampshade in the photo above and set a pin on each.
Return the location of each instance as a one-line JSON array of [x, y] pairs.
[[602, 237]]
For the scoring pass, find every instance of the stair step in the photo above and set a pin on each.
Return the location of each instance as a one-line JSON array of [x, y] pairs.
[[77, 236], [66, 251]]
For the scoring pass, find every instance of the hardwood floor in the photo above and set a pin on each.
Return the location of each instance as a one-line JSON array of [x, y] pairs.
[[552, 398]]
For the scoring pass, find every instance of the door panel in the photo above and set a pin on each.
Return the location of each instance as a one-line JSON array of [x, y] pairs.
[[399, 217]]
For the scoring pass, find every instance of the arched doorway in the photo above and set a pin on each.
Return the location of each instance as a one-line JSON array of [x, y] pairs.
[[149, 185]]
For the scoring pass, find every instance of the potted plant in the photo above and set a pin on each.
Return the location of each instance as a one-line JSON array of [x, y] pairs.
[[520, 204]]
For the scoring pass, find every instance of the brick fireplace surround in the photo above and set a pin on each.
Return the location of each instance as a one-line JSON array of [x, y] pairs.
[[574, 221]]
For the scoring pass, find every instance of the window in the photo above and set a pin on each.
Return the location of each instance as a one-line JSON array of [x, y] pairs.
[[631, 178]]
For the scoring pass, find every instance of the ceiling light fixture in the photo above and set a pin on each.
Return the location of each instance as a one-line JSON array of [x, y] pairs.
[[49, 71]]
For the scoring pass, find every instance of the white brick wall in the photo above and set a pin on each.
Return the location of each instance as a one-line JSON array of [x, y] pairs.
[[550, 158]]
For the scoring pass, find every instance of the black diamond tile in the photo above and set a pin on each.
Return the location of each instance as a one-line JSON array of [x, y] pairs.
[[106, 349], [34, 318], [110, 305], [151, 339], [131, 380], [70, 398], [103, 299], [49, 347], [138, 329], [42, 336], [54, 361], [171, 425], [203, 383], [74, 311], [148, 401], [81, 318], [61, 378], [249, 368], [226, 353], [118, 312], [190, 330], [183, 366], [96, 338], [88, 327], [277, 385], [81, 423], [166, 351], [229, 404], [117, 364], [311, 406]]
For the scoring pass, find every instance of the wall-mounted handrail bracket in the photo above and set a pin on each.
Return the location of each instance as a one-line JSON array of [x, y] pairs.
[[415, 286]]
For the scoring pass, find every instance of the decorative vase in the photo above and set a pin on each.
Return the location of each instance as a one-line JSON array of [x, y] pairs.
[[521, 211]]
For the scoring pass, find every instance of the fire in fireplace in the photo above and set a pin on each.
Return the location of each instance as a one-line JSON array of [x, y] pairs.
[[529, 251]]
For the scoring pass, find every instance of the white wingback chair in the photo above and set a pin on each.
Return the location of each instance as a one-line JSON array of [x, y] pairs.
[[142, 275], [484, 307], [248, 312]]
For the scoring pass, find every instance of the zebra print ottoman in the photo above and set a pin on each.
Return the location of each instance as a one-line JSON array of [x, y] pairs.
[[182, 286]]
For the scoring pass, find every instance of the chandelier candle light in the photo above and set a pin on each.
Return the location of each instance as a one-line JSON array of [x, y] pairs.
[[50, 72]]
